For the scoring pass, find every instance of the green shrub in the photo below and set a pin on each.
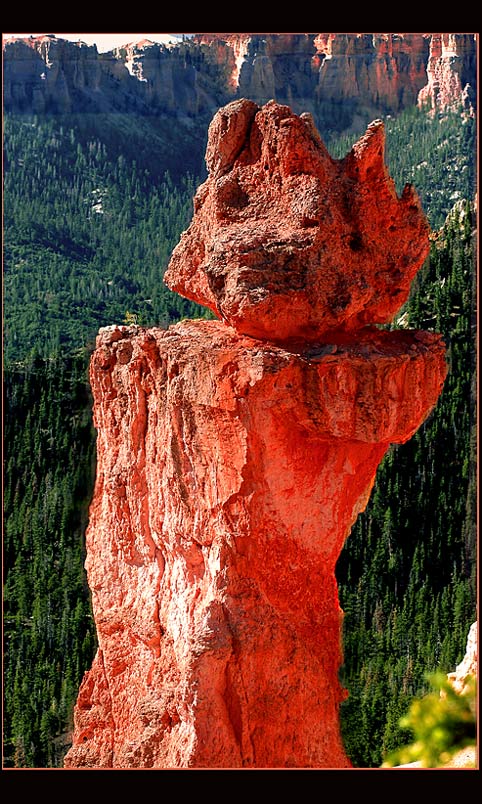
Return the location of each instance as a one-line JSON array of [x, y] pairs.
[[443, 723]]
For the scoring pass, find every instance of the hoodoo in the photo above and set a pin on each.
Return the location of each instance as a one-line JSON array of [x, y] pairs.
[[234, 455]]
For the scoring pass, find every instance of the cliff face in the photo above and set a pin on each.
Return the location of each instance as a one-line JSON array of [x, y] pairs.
[[230, 471], [378, 71], [451, 72], [45, 74], [367, 73], [386, 70]]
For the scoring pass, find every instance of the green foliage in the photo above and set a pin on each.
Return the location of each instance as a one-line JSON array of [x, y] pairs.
[[131, 319], [442, 723], [49, 635]]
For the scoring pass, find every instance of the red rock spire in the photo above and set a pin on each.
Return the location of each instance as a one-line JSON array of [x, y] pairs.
[[234, 456]]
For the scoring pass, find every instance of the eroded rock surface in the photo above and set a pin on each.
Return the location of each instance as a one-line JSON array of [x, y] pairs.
[[468, 666], [450, 78], [287, 243], [231, 467], [380, 73]]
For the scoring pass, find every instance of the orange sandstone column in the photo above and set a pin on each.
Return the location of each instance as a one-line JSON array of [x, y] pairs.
[[235, 455]]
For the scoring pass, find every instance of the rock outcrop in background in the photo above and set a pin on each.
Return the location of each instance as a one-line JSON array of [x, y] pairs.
[[449, 71], [231, 467], [469, 664], [354, 75]]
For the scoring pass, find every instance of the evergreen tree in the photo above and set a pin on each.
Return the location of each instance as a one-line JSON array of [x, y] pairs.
[[415, 580]]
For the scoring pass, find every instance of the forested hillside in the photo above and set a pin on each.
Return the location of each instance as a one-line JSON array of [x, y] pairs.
[[88, 231], [407, 577], [87, 236], [49, 451]]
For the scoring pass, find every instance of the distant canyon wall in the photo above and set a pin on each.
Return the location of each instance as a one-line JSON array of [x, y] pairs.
[[361, 74]]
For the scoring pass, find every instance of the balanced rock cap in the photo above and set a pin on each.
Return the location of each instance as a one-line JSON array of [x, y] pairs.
[[287, 243]]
